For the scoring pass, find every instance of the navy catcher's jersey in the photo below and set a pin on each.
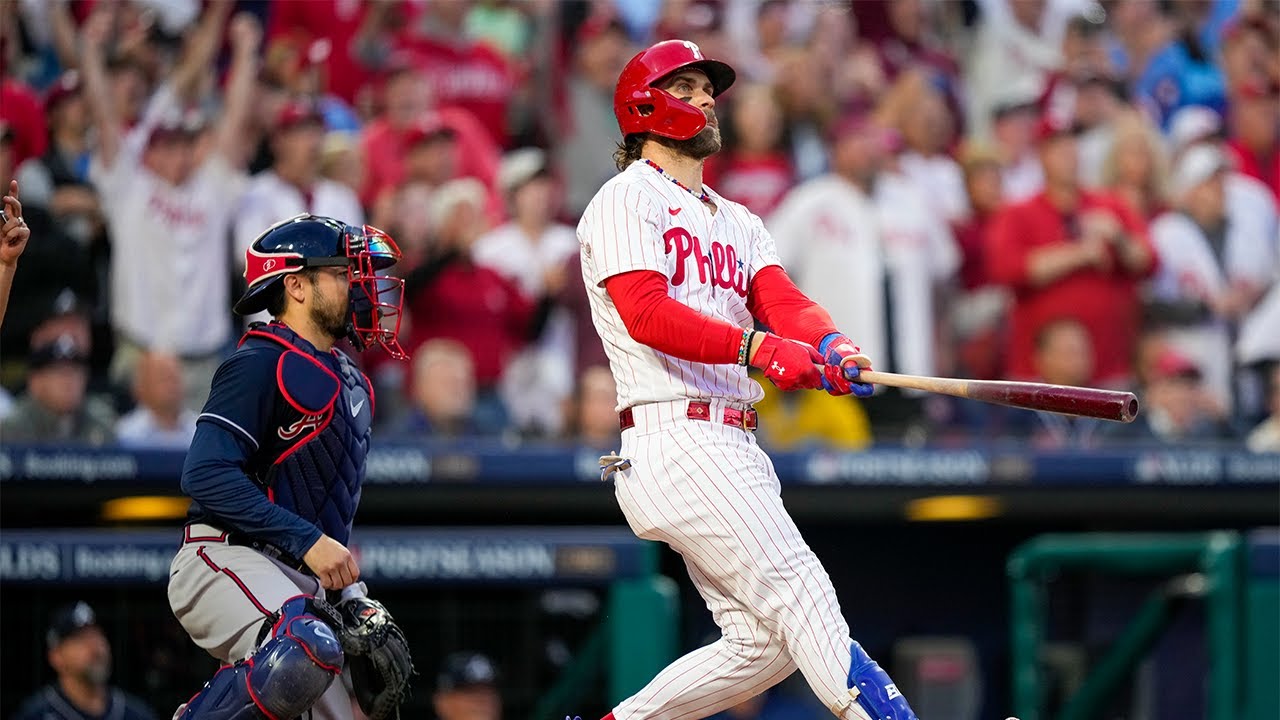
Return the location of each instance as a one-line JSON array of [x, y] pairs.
[[279, 451]]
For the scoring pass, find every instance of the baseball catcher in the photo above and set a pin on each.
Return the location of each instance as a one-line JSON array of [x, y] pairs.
[[275, 473]]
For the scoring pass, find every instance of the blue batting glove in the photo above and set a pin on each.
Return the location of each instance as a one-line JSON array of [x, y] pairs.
[[843, 357]]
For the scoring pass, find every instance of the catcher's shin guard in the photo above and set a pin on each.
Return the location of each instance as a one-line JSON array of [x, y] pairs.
[[285, 676], [875, 690]]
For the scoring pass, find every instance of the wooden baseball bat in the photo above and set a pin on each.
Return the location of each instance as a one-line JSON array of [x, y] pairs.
[[1082, 401]]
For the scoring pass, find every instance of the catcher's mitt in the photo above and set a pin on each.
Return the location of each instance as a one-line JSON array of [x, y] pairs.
[[377, 657]]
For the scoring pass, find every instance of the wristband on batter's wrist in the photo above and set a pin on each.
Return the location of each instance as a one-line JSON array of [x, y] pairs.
[[744, 347]]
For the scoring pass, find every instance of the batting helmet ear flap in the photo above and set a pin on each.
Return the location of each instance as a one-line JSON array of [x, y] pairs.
[[662, 113]]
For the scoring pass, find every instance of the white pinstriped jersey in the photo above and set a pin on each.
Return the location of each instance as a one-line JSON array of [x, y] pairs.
[[640, 220]]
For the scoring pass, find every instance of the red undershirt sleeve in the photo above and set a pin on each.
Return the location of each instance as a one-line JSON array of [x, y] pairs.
[[654, 318], [776, 301]]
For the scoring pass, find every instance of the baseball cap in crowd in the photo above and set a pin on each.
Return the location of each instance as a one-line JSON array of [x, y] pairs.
[[297, 113], [1020, 96], [1172, 364], [1193, 124], [66, 86], [598, 25], [430, 128], [861, 122], [466, 669], [975, 154], [61, 349], [398, 63], [67, 621], [520, 166], [1196, 165], [447, 197], [57, 302], [178, 125], [1052, 125]]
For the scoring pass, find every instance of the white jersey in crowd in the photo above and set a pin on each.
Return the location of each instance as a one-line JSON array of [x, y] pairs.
[[829, 241], [511, 253], [640, 220], [1189, 270], [169, 244], [838, 244], [941, 180], [537, 381], [920, 252]]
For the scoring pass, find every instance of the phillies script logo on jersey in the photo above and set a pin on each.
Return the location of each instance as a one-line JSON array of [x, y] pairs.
[[720, 267], [304, 423]]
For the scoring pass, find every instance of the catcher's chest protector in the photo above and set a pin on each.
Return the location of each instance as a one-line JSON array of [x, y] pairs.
[[313, 458]]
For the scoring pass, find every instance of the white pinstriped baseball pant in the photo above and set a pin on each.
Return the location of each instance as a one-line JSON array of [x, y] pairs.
[[709, 491]]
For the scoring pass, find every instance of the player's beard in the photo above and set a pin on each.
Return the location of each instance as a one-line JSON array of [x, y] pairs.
[[699, 147], [331, 315], [96, 674]]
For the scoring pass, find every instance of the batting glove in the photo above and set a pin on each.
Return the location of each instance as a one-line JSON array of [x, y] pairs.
[[843, 362], [789, 364]]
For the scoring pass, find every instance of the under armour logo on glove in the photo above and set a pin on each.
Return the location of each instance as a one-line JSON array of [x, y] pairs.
[[776, 354]]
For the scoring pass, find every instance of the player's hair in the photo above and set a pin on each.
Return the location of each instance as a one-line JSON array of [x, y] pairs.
[[276, 296], [629, 150]]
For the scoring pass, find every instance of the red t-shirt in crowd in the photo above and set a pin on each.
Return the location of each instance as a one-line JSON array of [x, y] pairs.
[[384, 153], [468, 75], [338, 21], [1106, 303], [757, 182], [971, 237], [1265, 168], [477, 307]]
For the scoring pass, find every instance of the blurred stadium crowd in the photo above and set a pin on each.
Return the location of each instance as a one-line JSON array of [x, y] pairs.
[[1059, 190]]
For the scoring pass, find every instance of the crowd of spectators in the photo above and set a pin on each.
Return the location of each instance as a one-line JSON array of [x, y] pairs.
[[1060, 190]]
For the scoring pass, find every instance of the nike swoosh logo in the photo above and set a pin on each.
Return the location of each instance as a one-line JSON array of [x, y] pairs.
[[674, 211], [355, 408]]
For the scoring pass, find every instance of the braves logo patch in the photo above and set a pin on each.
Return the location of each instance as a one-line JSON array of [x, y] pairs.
[[303, 424]]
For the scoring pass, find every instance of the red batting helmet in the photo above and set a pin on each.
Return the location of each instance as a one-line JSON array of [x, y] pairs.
[[640, 107]]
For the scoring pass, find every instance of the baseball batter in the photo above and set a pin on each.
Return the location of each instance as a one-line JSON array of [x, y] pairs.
[[676, 273], [275, 473]]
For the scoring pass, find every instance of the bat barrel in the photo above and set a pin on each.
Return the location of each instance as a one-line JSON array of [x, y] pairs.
[[1112, 405], [1083, 401]]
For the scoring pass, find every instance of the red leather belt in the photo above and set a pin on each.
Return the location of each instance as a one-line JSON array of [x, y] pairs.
[[701, 410]]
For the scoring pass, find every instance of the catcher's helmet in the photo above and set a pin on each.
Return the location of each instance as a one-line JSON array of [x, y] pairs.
[[314, 241], [640, 107]]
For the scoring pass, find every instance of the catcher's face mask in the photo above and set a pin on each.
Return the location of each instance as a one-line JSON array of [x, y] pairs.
[[376, 300]]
